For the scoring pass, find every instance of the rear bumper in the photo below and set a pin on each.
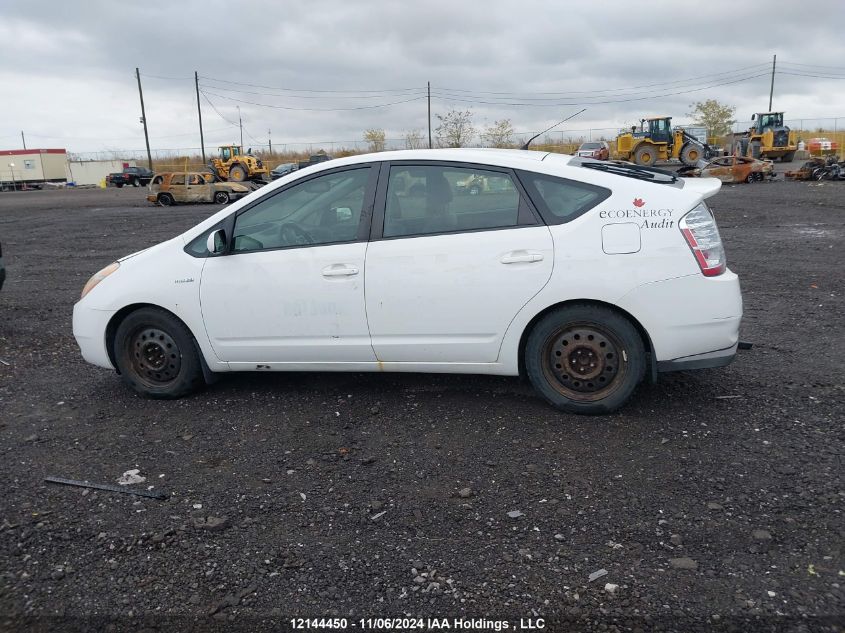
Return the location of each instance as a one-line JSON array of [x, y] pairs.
[[708, 360], [692, 321]]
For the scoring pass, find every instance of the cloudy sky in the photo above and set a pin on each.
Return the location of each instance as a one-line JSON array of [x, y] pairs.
[[323, 71]]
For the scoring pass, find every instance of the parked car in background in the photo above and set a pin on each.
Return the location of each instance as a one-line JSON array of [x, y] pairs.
[[2, 268], [135, 176], [172, 187], [581, 274], [600, 150], [282, 170]]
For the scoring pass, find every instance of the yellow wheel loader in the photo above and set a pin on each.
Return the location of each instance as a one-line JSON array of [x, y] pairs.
[[656, 140], [234, 165], [768, 138]]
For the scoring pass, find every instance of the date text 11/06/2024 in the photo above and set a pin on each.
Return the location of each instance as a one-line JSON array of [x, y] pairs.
[[419, 624]]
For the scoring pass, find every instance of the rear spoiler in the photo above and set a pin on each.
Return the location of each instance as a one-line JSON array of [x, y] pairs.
[[705, 186]]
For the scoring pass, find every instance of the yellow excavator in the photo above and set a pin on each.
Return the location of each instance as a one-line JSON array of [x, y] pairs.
[[234, 165], [656, 140]]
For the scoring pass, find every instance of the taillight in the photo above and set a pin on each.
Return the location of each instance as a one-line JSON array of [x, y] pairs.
[[702, 235]]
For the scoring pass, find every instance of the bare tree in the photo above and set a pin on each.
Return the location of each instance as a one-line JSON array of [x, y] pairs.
[[414, 140], [375, 139], [499, 134], [455, 128]]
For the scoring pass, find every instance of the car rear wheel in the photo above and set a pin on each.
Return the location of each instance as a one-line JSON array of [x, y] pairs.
[[585, 359], [165, 199], [221, 197], [156, 355], [237, 173], [119, 185]]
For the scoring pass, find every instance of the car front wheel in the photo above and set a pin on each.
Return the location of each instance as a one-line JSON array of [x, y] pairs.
[[585, 359], [221, 197], [156, 354]]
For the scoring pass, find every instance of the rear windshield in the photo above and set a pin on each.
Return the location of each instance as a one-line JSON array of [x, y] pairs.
[[561, 200]]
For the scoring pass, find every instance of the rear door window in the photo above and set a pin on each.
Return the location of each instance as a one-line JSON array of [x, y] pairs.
[[429, 199]]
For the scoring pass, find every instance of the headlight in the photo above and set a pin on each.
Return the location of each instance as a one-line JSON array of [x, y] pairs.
[[98, 277]]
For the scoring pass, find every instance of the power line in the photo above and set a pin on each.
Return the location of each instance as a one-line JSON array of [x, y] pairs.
[[564, 94], [240, 83], [619, 100], [281, 107], [784, 72], [420, 91]]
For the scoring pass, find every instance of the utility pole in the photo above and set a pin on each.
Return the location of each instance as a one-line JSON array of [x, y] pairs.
[[241, 125], [772, 89], [429, 115], [199, 113], [23, 139], [270, 141], [144, 120]]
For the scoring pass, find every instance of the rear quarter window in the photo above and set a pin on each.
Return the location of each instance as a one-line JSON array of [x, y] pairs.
[[561, 200]]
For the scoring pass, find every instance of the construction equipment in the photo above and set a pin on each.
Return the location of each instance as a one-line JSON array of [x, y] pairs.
[[767, 138], [656, 140], [236, 166]]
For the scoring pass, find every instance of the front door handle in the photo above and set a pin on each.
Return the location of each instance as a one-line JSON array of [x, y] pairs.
[[340, 270], [515, 257]]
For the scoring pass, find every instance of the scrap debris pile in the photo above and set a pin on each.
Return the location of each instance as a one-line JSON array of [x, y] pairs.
[[819, 168]]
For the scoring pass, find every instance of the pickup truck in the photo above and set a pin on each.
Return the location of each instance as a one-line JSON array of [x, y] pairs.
[[134, 176]]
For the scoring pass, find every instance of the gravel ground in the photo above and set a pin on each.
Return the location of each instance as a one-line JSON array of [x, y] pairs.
[[713, 501]]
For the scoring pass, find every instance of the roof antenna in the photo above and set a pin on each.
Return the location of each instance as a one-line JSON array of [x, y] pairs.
[[528, 142]]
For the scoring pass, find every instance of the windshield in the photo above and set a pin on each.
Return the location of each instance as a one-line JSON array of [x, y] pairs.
[[591, 146]]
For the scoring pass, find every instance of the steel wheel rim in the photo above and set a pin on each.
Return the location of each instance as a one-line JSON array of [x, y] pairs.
[[154, 356], [584, 362], [221, 198]]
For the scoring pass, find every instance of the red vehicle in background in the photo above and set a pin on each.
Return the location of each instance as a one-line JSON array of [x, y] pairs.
[[599, 150]]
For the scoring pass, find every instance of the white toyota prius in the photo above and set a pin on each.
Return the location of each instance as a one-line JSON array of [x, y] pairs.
[[586, 276]]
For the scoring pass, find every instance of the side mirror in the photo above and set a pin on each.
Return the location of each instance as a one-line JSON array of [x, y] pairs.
[[216, 242]]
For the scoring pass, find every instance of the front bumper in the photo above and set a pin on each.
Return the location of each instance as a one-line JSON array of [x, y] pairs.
[[89, 330]]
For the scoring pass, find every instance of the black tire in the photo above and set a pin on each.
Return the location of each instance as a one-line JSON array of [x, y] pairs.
[[119, 185], [788, 157], [585, 359], [166, 200], [221, 197], [238, 173], [691, 154], [156, 354], [135, 182], [646, 155]]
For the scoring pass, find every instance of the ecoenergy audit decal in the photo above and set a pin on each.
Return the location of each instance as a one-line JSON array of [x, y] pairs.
[[651, 218]]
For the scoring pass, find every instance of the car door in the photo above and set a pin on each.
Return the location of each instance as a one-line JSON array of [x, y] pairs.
[[290, 288], [177, 188], [197, 189], [447, 270]]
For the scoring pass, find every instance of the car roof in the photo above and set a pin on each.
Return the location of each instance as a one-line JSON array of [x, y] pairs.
[[487, 156]]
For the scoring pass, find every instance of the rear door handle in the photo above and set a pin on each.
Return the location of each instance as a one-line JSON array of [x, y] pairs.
[[340, 270], [515, 257]]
